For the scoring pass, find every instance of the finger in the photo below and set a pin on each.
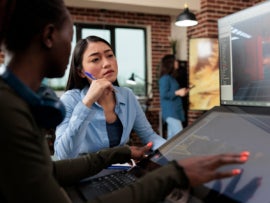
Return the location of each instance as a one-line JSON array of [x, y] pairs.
[[226, 174], [111, 88], [108, 85], [231, 159], [149, 144], [237, 158], [224, 159], [245, 153], [147, 147]]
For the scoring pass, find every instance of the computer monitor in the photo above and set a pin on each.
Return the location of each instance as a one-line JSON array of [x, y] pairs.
[[225, 129], [242, 122], [244, 44]]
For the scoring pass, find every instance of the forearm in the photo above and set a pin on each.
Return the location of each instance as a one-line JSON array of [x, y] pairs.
[[72, 170], [72, 131]]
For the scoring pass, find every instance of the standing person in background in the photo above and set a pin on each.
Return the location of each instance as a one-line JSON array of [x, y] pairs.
[[99, 115], [170, 96], [27, 173]]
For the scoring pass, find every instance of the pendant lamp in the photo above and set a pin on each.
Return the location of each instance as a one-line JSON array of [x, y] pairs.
[[186, 18]]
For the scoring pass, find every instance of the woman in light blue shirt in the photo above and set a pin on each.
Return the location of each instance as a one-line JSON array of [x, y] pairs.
[[98, 114]]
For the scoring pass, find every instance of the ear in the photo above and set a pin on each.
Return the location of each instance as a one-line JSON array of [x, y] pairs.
[[81, 73], [48, 35]]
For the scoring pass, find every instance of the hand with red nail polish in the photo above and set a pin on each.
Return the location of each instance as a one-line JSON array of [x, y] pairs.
[[138, 153], [203, 169]]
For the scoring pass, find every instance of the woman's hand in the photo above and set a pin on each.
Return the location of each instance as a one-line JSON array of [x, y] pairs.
[[182, 92], [138, 153], [96, 90], [200, 170]]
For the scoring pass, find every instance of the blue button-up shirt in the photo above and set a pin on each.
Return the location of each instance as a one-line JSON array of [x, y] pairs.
[[84, 129]]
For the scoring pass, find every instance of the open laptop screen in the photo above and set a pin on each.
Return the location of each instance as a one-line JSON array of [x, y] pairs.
[[244, 56], [228, 129]]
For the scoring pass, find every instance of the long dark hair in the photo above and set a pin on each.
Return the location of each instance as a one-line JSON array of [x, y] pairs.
[[74, 79], [22, 20], [167, 65]]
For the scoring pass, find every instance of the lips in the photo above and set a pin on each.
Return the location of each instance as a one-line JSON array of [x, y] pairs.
[[108, 72]]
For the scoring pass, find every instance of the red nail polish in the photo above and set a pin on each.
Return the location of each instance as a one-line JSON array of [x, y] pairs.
[[149, 144], [243, 158], [245, 153], [236, 171]]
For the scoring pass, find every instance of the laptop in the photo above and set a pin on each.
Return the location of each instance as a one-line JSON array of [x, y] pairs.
[[115, 178], [240, 123]]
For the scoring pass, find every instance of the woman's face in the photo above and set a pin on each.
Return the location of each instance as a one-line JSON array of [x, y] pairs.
[[99, 60]]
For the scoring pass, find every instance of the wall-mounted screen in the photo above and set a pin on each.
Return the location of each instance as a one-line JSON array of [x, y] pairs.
[[244, 49]]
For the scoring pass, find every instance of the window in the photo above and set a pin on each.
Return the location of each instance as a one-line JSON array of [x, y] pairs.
[[129, 46]]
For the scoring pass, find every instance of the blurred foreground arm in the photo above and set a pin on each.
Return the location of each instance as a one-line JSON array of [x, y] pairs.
[[155, 186], [67, 171]]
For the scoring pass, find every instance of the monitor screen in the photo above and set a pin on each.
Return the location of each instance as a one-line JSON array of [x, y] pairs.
[[227, 129], [244, 47]]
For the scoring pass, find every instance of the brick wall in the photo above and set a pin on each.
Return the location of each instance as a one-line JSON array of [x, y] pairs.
[[211, 11]]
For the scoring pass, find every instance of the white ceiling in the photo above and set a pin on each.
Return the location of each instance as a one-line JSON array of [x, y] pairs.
[[166, 7]]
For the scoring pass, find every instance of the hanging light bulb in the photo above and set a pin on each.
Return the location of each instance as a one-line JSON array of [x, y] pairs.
[[186, 18]]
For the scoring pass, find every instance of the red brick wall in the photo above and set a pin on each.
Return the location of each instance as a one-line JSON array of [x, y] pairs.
[[211, 11]]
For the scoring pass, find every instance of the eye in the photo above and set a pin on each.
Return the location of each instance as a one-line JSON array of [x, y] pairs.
[[94, 60], [110, 54]]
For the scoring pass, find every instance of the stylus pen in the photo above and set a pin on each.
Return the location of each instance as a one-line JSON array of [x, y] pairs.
[[90, 75]]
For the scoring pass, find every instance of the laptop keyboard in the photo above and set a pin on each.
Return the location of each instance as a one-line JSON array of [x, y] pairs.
[[105, 184]]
